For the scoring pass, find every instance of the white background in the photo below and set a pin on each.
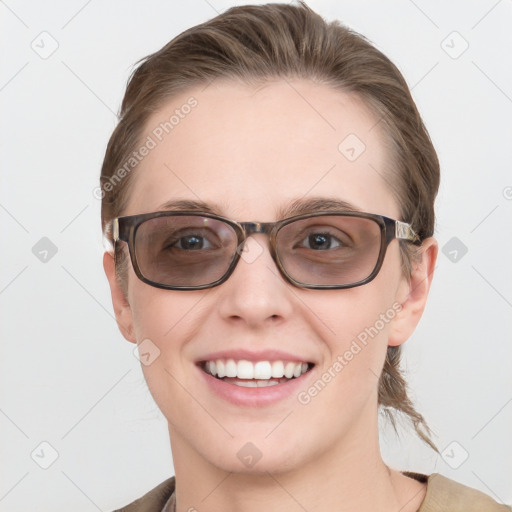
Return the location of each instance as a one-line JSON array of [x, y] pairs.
[[67, 375]]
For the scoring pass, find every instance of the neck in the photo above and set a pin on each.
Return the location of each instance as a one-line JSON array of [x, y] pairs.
[[348, 477]]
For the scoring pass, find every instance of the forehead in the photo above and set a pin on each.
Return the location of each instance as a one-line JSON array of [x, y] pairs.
[[250, 150]]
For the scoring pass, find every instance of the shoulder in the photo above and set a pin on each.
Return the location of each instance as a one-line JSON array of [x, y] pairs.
[[154, 500], [443, 495], [446, 495]]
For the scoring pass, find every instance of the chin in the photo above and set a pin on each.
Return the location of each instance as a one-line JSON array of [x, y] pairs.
[[246, 457]]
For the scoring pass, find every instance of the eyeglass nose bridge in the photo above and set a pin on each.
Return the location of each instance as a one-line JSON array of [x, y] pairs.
[[259, 228], [256, 228]]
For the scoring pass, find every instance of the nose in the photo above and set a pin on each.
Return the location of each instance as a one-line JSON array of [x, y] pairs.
[[255, 294]]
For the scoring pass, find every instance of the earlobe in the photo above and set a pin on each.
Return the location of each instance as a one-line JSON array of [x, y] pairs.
[[122, 308], [413, 294]]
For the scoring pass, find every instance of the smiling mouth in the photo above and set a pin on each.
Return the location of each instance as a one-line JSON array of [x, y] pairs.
[[255, 375]]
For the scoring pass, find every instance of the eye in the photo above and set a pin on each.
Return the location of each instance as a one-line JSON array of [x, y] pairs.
[[192, 242], [321, 241]]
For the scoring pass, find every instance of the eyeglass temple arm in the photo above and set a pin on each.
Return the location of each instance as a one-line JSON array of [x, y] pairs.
[[111, 228], [114, 226], [404, 231]]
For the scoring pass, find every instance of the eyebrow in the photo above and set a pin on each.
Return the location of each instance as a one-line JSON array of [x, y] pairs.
[[190, 205], [296, 207], [316, 204]]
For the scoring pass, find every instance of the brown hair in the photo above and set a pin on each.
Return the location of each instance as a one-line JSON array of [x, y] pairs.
[[257, 43]]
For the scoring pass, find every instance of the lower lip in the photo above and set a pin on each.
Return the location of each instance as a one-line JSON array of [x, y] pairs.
[[254, 397]]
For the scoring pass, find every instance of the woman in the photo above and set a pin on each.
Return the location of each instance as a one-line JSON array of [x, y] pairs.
[[269, 197]]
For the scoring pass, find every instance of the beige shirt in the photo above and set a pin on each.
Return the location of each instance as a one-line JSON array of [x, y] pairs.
[[443, 495]]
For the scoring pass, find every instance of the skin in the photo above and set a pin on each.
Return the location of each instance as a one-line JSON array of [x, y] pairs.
[[249, 152]]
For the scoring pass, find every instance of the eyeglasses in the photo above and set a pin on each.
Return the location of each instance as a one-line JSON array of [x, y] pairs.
[[183, 250]]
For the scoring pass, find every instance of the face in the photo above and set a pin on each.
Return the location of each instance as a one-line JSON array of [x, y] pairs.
[[248, 153]]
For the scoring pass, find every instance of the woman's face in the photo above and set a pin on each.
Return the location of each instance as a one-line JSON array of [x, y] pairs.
[[248, 154]]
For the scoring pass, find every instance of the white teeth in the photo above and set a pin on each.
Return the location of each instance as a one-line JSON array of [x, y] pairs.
[[246, 383], [245, 370], [255, 373], [289, 370], [262, 370], [221, 370], [278, 369], [267, 383], [231, 368], [255, 383]]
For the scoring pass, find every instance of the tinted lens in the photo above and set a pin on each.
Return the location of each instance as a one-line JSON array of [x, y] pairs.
[[184, 250], [329, 250]]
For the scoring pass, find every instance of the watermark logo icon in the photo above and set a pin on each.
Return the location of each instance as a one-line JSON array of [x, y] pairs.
[[44, 250], [249, 454], [44, 455], [352, 147], [455, 455], [454, 249], [146, 352], [45, 45], [250, 250], [454, 45]]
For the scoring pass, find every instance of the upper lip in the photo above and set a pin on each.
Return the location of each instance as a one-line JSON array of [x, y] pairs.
[[254, 356]]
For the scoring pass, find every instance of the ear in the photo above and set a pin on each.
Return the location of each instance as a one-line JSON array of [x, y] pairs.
[[412, 294], [122, 308]]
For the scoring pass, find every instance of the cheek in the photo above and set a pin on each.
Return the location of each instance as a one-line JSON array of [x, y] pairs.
[[164, 323], [364, 313], [344, 393], [355, 325], [156, 328], [358, 325], [157, 313]]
